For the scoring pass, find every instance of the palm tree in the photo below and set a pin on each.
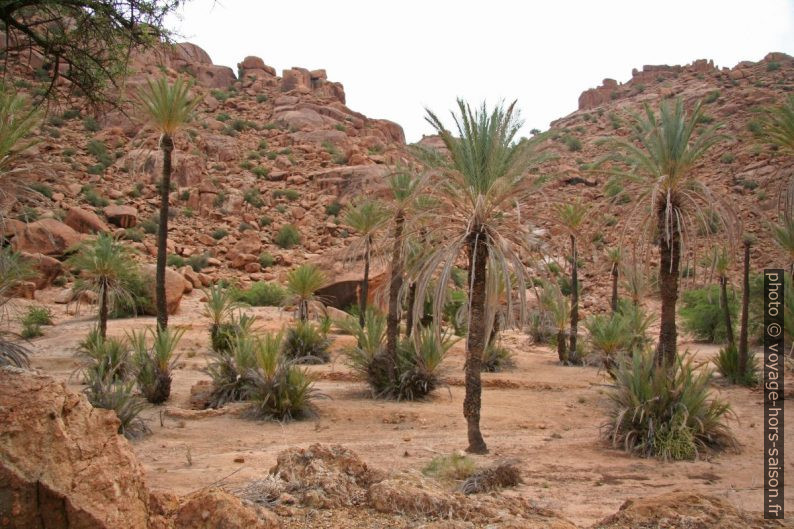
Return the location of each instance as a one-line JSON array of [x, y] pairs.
[[366, 218], [571, 216], [671, 199], [721, 265], [302, 283], [480, 189], [104, 265], [743, 345], [168, 106], [403, 185], [614, 256], [556, 304], [778, 125], [18, 118]]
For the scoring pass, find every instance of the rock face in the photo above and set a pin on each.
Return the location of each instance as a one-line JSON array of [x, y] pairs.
[[62, 464], [174, 287], [47, 236], [47, 269], [122, 216]]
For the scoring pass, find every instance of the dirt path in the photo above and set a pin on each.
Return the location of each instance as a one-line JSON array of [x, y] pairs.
[[545, 415]]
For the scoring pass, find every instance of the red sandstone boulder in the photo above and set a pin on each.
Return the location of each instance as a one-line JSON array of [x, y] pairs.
[[47, 269], [121, 216], [84, 221], [47, 236], [174, 287]]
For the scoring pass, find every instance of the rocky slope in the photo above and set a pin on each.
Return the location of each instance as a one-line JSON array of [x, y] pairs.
[[267, 150]]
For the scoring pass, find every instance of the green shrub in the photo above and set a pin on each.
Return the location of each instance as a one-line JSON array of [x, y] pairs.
[[276, 387], [41, 188], [261, 294], [150, 226], [496, 358], [229, 365], [37, 315], [333, 209], [772, 66], [28, 214], [290, 194], [153, 364], [252, 196], [727, 362], [198, 261], [91, 124], [574, 144], [30, 330], [266, 260], [103, 392], [453, 467], [99, 151], [666, 412], [177, 261], [133, 234], [727, 158], [306, 344], [71, 113], [219, 234], [260, 171], [711, 97], [703, 316], [265, 221], [288, 236], [136, 302], [261, 98], [90, 195]]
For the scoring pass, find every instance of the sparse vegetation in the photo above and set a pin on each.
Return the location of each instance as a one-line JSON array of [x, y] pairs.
[[287, 237]]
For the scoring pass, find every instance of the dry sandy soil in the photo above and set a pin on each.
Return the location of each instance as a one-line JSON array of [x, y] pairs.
[[546, 416]]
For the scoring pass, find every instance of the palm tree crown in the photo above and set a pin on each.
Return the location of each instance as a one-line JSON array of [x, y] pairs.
[[168, 106], [302, 283]]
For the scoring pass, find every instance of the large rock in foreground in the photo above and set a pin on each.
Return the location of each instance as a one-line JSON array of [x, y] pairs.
[[47, 236], [62, 462]]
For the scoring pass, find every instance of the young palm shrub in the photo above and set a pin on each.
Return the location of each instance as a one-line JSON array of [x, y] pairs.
[[778, 125], [305, 343], [671, 201], [302, 283], [13, 269], [105, 389], [608, 337], [276, 387], [557, 306], [417, 373], [168, 107], [703, 316], [727, 363], [221, 308], [497, 358], [364, 356], [721, 264], [480, 189], [18, 118], [636, 323], [109, 355], [154, 364], [666, 411], [227, 369], [366, 218], [104, 265], [635, 281], [571, 216]]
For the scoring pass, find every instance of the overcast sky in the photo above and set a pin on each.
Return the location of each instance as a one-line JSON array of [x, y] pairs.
[[395, 58]]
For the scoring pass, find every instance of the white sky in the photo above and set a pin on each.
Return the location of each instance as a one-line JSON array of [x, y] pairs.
[[396, 58]]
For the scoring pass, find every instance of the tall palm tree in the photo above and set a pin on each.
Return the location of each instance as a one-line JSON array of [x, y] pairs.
[[721, 265], [480, 189], [366, 218], [743, 331], [302, 283], [104, 265], [615, 256], [168, 106], [403, 186], [660, 159], [571, 216]]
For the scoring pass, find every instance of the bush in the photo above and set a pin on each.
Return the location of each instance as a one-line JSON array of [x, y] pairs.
[[150, 226], [252, 196], [666, 412], [154, 364], [219, 234], [727, 362], [453, 467], [99, 151], [703, 316], [133, 234], [177, 261], [136, 302], [90, 195], [198, 261], [41, 188], [496, 358], [265, 221], [103, 392], [31, 330], [288, 236], [290, 194], [261, 294], [306, 344], [711, 97], [90, 124], [260, 171], [37, 316], [333, 209], [266, 260], [230, 361], [277, 388]]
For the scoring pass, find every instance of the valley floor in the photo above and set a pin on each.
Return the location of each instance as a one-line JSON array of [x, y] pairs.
[[545, 416]]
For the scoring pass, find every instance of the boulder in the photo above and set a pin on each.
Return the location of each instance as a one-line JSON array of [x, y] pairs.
[[215, 509], [249, 243], [174, 287], [84, 221], [300, 118], [62, 462], [46, 236], [47, 268], [122, 216]]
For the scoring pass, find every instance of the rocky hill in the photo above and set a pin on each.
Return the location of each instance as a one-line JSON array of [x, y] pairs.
[[265, 151]]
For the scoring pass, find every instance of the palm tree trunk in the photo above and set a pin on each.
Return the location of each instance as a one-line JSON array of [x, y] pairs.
[[303, 310], [726, 310], [615, 273], [395, 284], [167, 145], [475, 341], [669, 264], [561, 352], [362, 304], [743, 348], [103, 312], [574, 298], [409, 316]]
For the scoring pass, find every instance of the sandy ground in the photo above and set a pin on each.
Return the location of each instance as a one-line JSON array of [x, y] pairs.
[[546, 416]]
